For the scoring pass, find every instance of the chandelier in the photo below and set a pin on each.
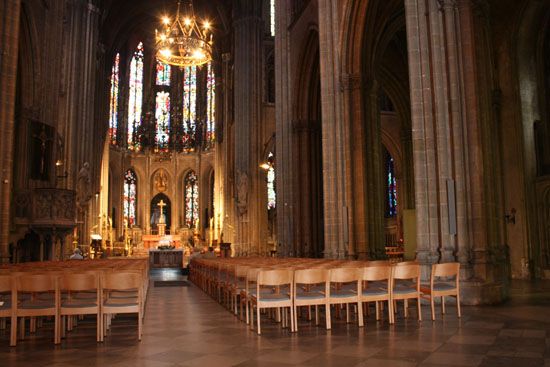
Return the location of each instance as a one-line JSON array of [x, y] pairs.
[[182, 42]]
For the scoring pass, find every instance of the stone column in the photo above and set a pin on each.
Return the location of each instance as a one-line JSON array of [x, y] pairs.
[[448, 161], [76, 125], [248, 93], [374, 173], [284, 131], [9, 48], [333, 132], [427, 88]]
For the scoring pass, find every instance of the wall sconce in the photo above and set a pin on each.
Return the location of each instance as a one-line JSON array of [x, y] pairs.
[[510, 218]]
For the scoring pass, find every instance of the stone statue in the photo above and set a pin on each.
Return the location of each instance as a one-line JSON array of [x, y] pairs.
[[161, 181], [242, 192], [84, 185]]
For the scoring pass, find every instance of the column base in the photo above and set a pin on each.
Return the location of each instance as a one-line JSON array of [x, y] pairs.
[[477, 292]]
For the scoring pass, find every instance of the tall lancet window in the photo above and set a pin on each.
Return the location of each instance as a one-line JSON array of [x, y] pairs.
[[271, 195], [272, 17], [189, 105], [113, 105], [210, 105], [191, 187], [391, 187], [135, 99], [163, 74], [130, 197], [162, 107]]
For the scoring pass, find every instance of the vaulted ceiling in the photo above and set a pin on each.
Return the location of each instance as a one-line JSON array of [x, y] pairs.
[[123, 19]]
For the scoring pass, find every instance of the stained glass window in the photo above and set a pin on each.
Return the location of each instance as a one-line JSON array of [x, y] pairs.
[[189, 104], [210, 105], [163, 74], [391, 187], [135, 97], [191, 199], [162, 117], [272, 17], [113, 105], [271, 195], [130, 196]]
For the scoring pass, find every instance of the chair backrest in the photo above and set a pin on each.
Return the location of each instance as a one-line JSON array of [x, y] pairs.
[[274, 277], [311, 276], [122, 280], [5, 283], [376, 273], [406, 271], [344, 275], [36, 283], [79, 282], [376, 263], [445, 269], [403, 263]]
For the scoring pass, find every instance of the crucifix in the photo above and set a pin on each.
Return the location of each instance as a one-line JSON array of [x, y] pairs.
[[162, 221], [43, 138], [161, 205]]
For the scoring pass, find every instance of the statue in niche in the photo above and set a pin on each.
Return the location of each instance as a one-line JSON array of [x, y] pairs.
[[84, 185], [161, 181], [242, 192]]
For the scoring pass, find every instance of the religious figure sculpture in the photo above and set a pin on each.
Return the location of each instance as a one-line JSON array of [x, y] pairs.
[[161, 181], [242, 192], [84, 185]]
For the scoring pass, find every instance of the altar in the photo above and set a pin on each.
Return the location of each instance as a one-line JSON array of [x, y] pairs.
[[166, 258], [151, 241]]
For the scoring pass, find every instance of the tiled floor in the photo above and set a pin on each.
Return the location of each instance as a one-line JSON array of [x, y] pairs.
[[184, 327]]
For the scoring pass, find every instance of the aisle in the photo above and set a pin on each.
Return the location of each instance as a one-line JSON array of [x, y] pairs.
[[184, 327]]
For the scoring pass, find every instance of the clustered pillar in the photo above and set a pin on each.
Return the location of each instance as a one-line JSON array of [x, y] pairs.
[[9, 46]]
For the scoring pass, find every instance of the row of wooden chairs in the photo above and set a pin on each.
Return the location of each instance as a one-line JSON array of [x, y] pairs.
[[287, 284], [65, 290]]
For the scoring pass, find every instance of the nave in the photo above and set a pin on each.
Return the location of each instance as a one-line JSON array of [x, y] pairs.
[[185, 327]]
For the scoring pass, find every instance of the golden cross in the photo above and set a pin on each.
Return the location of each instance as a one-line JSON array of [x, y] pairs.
[[161, 205]]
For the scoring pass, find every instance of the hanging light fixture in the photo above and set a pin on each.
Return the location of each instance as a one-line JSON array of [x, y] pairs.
[[182, 41]]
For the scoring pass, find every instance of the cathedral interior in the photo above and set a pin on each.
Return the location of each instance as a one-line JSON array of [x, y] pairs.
[[333, 129]]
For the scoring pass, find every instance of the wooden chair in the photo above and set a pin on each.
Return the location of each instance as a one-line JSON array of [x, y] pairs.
[[75, 304], [311, 288], [377, 288], [275, 279], [35, 284], [339, 294], [122, 281], [5, 299], [439, 288], [405, 291]]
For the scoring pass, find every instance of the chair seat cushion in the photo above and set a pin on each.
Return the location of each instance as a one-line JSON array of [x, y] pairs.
[[84, 295], [123, 294], [374, 292], [378, 284], [310, 295], [36, 305], [113, 303], [439, 286], [78, 304], [404, 290], [274, 297], [342, 293]]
